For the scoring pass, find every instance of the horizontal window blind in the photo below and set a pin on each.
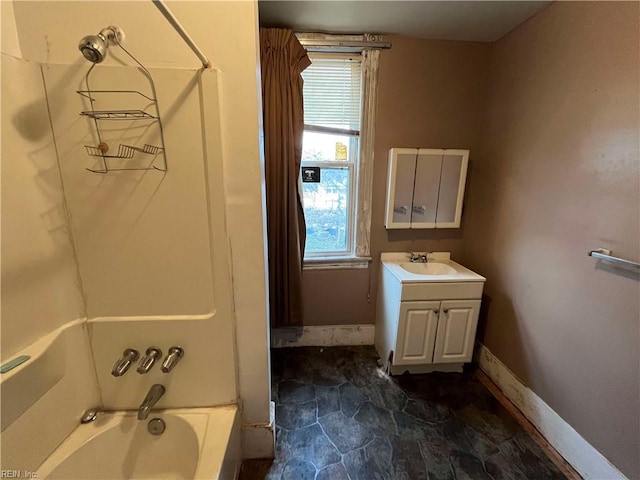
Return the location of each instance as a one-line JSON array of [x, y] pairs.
[[332, 92]]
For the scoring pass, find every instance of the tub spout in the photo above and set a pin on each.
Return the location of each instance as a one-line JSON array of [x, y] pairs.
[[155, 392]]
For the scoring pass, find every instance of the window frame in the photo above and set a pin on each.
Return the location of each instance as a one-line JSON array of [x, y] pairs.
[[350, 211], [368, 47]]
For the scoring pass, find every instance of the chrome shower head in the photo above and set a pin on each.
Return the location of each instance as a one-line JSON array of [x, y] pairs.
[[94, 47]]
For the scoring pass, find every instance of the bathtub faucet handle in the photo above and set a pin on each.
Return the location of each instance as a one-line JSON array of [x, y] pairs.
[[172, 359], [152, 354], [129, 356]]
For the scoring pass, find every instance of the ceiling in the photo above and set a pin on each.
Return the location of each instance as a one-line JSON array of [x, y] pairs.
[[480, 21]]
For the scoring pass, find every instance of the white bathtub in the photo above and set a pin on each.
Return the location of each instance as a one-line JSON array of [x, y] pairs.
[[198, 443]]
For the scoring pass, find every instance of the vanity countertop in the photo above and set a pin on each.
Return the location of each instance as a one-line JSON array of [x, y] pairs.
[[456, 273]]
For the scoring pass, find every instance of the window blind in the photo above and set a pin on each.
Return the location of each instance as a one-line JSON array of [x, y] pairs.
[[332, 92]]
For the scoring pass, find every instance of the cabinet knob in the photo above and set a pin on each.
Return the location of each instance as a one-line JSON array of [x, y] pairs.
[[446, 310], [436, 311]]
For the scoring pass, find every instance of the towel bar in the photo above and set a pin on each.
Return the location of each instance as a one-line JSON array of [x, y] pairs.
[[604, 254]]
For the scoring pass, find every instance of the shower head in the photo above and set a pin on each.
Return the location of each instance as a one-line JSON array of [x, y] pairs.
[[94, 47]]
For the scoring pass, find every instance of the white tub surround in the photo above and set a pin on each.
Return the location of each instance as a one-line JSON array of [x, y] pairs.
[[43, 399], [204, 376], [153, 245], [426, 321], [197, 443]]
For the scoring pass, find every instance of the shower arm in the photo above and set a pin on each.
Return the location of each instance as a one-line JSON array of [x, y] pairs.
[[180, 29]]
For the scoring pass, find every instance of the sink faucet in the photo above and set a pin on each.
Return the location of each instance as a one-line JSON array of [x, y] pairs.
[[415, 258], [155, 392]]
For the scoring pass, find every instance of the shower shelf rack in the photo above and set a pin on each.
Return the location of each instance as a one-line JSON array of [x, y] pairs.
[[119, 115], [125, 151]]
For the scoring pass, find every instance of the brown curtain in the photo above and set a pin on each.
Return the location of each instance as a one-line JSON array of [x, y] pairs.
[[282, 60]]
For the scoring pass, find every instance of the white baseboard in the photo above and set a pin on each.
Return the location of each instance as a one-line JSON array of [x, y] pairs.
[[583, 457], [322, 336]]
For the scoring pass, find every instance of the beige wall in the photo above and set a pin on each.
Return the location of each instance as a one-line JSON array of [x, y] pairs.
[[558, 176], [431, 95]]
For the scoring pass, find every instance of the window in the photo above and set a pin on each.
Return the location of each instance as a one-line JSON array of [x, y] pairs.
[[331, 143], [340, 108]]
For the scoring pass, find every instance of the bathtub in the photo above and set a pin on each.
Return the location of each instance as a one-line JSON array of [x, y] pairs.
[[198, 443]]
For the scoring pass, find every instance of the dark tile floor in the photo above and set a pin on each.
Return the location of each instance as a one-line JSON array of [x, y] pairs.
[[338, 416]]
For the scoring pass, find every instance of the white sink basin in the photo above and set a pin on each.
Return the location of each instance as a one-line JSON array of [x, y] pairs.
[[429, 268], [440, 269]]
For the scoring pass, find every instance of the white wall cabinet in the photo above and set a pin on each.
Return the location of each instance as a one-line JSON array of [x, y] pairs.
[[425, 188]]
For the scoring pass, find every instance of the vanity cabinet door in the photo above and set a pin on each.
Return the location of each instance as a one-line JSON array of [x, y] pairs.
[[426, 188], [457, 323], [417, 326]]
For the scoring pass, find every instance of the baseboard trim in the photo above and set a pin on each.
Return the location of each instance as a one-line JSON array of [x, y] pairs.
[[580, 454], [322, 336]]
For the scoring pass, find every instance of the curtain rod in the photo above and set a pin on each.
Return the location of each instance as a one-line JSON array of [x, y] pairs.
[[344, 41], [341, 43], [180, 29]]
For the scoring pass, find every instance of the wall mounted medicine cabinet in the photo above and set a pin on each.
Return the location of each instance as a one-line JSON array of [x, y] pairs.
[[425, 188]]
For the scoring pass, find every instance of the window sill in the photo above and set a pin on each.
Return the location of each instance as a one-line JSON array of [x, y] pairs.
[[335, 263]]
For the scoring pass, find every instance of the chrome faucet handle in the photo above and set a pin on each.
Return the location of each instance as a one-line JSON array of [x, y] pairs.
[[129, 356], [419, 258], [172, 359], [152, 354]]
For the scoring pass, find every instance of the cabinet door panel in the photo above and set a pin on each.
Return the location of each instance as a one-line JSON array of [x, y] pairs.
[[425, 194], [402, 170], [452, 183], [457, 325], [417, 328]]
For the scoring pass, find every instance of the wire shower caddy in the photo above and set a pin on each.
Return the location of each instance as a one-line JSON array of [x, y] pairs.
[[125, 151]]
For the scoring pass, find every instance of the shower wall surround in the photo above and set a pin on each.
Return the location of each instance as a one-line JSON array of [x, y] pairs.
[[40, 291], [154, 250], [41, 296], [142, 237]]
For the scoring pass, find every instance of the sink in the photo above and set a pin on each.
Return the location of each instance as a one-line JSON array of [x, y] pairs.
[[429, 268], [440, 269]]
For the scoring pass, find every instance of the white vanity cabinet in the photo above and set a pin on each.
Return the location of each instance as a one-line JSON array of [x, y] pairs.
[[425, 188], [425, 326], [436, 332]]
